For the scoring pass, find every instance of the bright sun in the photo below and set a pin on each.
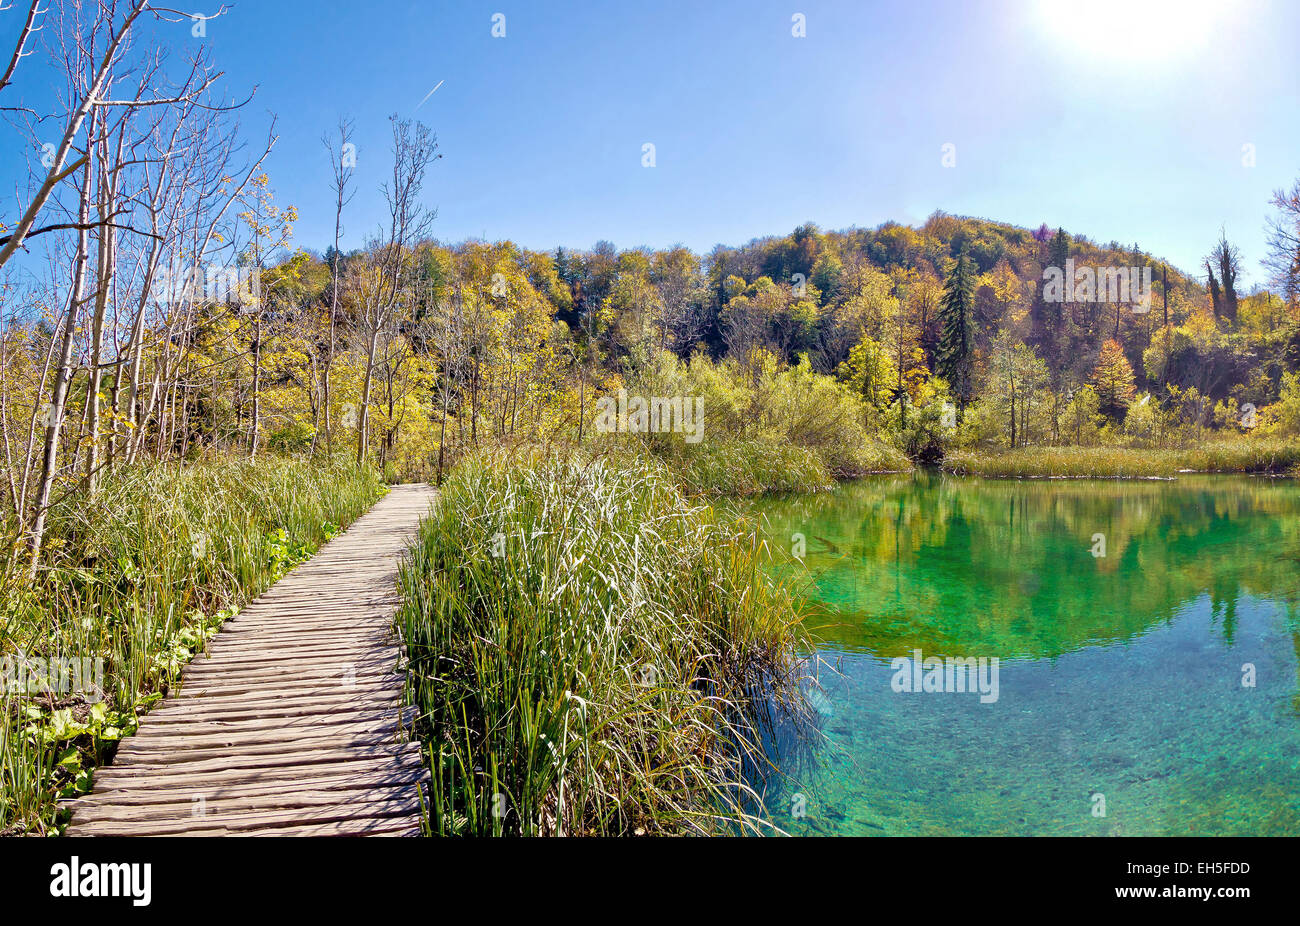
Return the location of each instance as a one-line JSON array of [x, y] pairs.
[[1131, 30]]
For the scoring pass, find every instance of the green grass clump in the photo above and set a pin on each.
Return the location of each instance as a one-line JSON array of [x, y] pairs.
[[1246, 456], [140, 577], [591, 653]]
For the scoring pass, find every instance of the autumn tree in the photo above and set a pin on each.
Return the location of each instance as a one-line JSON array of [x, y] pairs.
[[870, 373], [382, 279], [1112, 379], [1082, 416], [269, 230], [1284, 243], [1016, 377], [676, 275]]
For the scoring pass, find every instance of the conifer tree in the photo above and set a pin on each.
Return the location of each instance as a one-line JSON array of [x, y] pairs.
[[1047, 316], [1059, 250], [957, 333]]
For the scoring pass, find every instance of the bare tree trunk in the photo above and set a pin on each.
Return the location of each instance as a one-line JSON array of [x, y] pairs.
[[107, 257], [363, 420], [442, 426], [582, 401], [257, 387], [54, 418], [338, 160], [4, 423]]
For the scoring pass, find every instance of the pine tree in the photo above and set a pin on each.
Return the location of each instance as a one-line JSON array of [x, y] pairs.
[[1059, 249], [957, 332], [563, 266], [1052, 332], [1054, 318], [1048, 317]]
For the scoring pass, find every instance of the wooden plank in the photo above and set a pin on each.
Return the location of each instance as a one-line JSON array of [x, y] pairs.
[[237, 820], [321, 637], [171, 780], [345, 700], [295, 662], [214, 803], [270, 729], [380, 662], [291, 687], [287, 758], [390, 826], [292, 723]]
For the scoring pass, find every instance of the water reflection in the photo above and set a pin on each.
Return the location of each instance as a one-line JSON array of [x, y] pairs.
[[958, 566]]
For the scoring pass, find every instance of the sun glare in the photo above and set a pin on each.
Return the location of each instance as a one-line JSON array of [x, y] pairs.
[[1131, 31]]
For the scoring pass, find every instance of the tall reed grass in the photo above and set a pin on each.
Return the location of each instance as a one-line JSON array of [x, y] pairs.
[[740, 468], [590, 653], [751, 467], [1245, 456], [140, 577]]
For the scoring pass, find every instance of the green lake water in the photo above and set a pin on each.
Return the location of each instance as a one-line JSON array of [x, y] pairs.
[[1121, 707]]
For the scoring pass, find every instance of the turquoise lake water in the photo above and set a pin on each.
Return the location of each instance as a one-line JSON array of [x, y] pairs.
[[1151, 690]]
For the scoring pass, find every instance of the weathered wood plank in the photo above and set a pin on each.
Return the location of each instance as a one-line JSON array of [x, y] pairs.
[[287, 758], [223, 709], [385, 790], [152, 781], [239, 820], [269, 730], [390, 826]]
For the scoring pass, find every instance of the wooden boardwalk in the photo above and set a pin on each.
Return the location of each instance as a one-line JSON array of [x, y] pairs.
[[292, 725]]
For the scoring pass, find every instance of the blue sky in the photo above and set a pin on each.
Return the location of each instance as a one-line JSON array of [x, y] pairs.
[[1124, 122]]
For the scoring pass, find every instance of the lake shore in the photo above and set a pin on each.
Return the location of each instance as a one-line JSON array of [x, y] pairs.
[[1276, 458]]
